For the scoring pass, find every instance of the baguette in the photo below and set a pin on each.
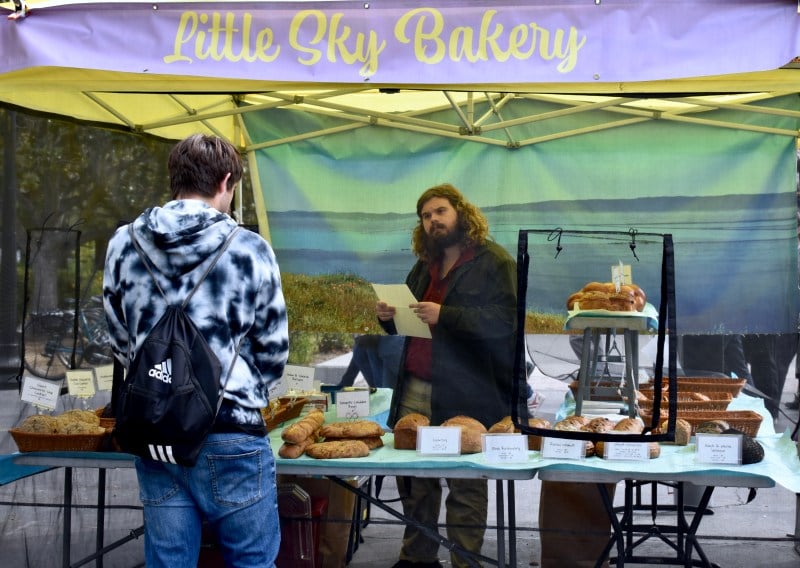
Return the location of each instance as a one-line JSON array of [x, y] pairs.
[[294, 451], [356, 429], [338, 449], [303, 428]]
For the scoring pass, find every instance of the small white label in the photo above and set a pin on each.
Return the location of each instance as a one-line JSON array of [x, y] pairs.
[[559, 448], [719, 448], [80, 382], [505, 448], [40, 393], [621, 274], [439, 441], [626, 451], [298, 379], [104, 375], [352, 404]]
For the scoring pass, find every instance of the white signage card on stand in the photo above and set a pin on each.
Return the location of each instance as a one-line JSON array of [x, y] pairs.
[[298, 379], [40, 392], [560, 448], [719, 449], [352, 404], [505, 448], [105, 377], [439, 441], [626, 451], [80, 383]]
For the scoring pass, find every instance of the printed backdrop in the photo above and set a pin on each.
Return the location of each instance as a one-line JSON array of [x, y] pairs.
[[345, 203]]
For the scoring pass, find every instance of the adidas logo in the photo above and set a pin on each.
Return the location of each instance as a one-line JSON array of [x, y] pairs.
[[162, 371]]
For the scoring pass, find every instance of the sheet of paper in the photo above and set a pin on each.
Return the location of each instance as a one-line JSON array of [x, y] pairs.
[[405, 320]]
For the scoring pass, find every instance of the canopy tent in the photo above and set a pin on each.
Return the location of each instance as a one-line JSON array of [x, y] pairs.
[[507, 75]]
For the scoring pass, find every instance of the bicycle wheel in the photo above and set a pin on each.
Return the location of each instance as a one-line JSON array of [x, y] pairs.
[[43, 339]]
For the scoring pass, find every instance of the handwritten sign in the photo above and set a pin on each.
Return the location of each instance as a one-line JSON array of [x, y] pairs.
[[40, 393], [439, 441], [626, 451], [352, 404], [505, 448], [80, 383], [719, 449], [298, 379], [104, 375], [558, 448]]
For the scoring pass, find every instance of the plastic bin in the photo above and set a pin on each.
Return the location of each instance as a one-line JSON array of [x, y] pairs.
[[300, 516]]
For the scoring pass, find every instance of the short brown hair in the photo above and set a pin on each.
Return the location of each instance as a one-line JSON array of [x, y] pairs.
[[198, 163], [471, 220]]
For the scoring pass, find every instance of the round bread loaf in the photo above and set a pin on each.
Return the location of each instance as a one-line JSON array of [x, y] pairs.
[[534, 441], [571, 423], [405, 431], [632, 425], [504, 426], [471, 431], [712, 427], [599, 425], [683, 431]]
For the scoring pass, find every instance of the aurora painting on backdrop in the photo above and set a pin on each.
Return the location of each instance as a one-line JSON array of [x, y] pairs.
[[345, 202]]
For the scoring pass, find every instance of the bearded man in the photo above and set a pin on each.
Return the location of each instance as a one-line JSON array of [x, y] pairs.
[[465, 285]]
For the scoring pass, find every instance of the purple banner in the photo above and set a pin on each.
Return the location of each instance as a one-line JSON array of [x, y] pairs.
[[399, 43]]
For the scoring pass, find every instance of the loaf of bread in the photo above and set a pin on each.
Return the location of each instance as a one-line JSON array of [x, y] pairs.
[[534, 441], [605, 296], [338, 449], [504, 426], [303, 428], [355, 429], [630, 425], [294, 451], [471, 431], [405, 431], [372, 442], [571, 423], [599, 425], [683, 431]]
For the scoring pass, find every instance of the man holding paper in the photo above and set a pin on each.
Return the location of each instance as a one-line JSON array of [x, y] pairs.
[[465, 286]]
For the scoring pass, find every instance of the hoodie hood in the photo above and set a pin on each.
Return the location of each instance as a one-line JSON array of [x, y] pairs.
[[181, 235]]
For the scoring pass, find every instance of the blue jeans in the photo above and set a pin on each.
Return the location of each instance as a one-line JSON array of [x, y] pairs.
[[232, 486]]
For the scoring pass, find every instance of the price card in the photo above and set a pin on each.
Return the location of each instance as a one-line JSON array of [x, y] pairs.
[[719, 448], [105, 377], [621, 274], [505, 448], [626, 451], [299, 379], [352, 404], [559, 448], [80, 382], [40, 392], [439, 441], [277, 389]]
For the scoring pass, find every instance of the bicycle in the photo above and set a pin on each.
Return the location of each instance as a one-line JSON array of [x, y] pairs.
[[52, 348]]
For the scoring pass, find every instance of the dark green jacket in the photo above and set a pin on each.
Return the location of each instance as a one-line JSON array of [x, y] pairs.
[[473, 343]]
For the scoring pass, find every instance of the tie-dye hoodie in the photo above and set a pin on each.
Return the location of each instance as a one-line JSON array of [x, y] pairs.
[[240, 301]]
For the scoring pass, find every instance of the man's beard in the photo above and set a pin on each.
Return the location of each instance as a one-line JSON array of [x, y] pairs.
[[438, 241]]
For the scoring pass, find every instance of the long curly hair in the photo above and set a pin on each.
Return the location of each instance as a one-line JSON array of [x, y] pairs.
[[471, 221]]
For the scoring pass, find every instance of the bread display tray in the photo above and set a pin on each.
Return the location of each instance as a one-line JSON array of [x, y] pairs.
[[705, 385], [718, 401], [290, 408], [646, 320], [38, 442], [747, 421]]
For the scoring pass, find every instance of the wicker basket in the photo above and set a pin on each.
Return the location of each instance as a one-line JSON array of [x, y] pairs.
[[719, 401], [105, 422], [705, 385], [289, 408], [37, 442], [745, 420]]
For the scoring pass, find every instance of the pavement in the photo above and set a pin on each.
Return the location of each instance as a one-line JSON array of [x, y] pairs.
[[737, 534]]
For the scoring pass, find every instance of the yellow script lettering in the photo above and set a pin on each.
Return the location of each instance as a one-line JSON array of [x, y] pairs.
[[423, 40], [314, 55], [214, 37]]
